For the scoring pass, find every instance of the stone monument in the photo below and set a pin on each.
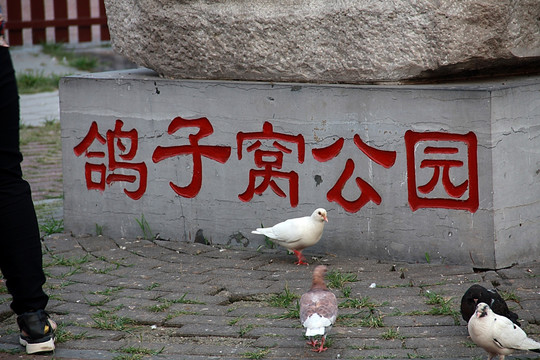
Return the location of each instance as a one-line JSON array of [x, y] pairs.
[[252, 112]]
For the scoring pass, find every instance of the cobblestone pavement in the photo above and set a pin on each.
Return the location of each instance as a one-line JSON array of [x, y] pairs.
[[134, 298]]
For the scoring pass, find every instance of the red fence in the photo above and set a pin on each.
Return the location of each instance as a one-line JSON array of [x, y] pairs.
[[66, 21]]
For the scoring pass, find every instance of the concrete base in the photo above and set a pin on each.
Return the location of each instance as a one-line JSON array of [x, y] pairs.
[[414, 173]]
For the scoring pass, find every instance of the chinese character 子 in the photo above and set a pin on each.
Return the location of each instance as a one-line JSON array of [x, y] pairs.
[[442, 154], [116, 146], [218, 153], [269, 162], [367, 192]]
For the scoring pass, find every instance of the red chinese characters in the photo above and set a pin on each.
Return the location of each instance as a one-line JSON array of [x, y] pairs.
[[270, 161], [367, 192], [441, 167], [116, 141], [218, 153], [426, 151]]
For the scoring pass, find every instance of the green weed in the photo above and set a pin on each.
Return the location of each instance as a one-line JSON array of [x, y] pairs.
[[261, 354], [392, 334], [337, 280], [145, 228], [33, 82], [52, 226], [283, 299]]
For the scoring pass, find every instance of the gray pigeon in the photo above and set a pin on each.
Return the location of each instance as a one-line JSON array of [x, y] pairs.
[[318, 309]]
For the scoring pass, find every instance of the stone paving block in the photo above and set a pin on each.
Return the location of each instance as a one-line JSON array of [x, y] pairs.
[[131, 303], [190, 248], [425, 320], [98, 243], [203, 327], [92, 278], [207, 321], [201, 309], [392, 353], [60, 243], [439, 331], [98, 344], [239, 309], [75, 308], [211, 300], [62, 353], [450, 352]]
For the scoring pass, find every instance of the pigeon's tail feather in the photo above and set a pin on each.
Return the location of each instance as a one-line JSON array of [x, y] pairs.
[[530, 344], [315, 331]]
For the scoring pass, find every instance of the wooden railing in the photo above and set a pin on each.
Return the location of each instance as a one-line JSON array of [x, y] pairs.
[[66, 21]]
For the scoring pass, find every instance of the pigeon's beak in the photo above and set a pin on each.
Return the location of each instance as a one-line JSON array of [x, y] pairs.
[[325, 218], [475, 301]]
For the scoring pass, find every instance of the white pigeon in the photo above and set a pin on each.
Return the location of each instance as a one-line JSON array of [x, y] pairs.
[[318, 309], [497, 334], [298, 233]]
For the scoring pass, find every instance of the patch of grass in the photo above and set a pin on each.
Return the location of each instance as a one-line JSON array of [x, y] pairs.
[[235, 320], [245, 329], [99, 302], [137, 350], [46, 134], [392, 334], [52, 226], [261, 354], [183, 300], [33, 82], [372, 319], [292, 312], [63, 335], [337, 280], [153, 286], [59, 260], [469, 344], [510, 295], [105, 320], [160, 307], [68, 57], [284, 299], [442, 306], [84, 63], [364, 302]]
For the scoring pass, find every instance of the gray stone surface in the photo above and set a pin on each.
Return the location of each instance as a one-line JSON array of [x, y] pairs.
[[109, 322], [492, 229], [326, 41]]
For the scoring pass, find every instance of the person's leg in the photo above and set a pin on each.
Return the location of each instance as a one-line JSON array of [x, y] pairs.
[[20, 246]]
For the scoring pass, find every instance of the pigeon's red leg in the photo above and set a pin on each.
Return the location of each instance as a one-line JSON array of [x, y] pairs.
[[300, 257], [321, 348], [313, 342]]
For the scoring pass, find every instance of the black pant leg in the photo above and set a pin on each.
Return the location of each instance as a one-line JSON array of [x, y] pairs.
[[20, 246]]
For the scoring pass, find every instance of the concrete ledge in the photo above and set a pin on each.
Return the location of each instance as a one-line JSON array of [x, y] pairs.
[[445, 172]]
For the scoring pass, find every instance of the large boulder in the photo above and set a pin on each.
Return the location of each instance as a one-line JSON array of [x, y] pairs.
[[346, 41]]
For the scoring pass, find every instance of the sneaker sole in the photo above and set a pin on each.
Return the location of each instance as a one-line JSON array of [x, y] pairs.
[[39, 347]]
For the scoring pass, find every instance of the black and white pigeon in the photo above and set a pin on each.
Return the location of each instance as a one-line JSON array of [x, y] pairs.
[[497, 334], [298, 233], [477, 294], [318, 310]]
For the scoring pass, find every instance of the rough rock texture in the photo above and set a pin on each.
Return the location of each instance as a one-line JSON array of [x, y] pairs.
[[349, 41]]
